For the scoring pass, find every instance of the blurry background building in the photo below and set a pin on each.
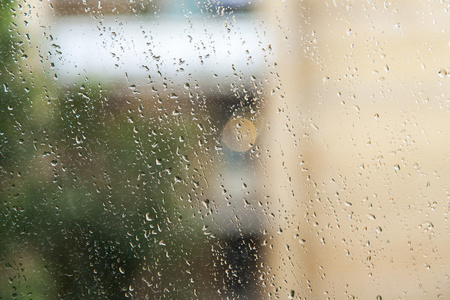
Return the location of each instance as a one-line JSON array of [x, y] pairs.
[[359, 149]]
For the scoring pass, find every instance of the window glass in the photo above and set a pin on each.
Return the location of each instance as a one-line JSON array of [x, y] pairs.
[[227, 149]]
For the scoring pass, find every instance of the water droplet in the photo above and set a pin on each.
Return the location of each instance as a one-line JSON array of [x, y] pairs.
[[206, 203], [442, 73]]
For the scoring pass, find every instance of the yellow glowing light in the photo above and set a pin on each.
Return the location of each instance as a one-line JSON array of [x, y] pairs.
[[239, 134]]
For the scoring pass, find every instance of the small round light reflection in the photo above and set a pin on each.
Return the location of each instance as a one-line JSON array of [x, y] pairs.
[[239, 134]]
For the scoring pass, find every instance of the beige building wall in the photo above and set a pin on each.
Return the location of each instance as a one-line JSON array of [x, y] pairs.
[[358, 150]]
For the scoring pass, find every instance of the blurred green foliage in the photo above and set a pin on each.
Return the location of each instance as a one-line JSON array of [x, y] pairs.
[[89, 195]]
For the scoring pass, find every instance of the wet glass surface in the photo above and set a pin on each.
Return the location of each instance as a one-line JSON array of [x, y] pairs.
[[224, 150]]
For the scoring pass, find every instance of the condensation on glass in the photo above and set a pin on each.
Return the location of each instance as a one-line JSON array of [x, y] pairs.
[[224, 149]]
